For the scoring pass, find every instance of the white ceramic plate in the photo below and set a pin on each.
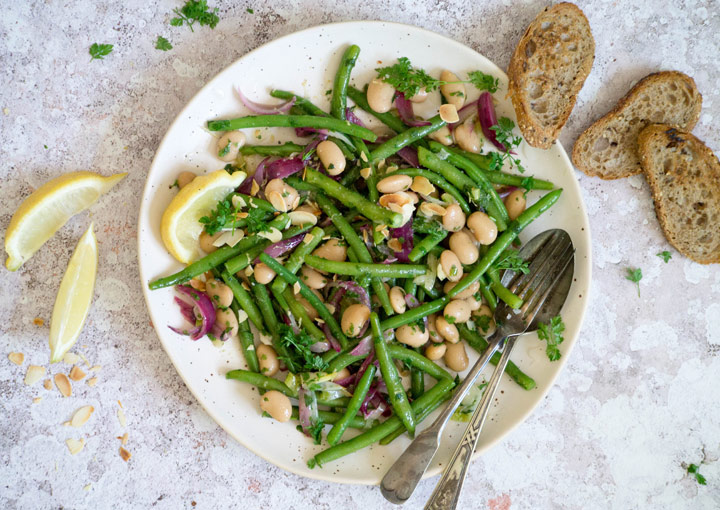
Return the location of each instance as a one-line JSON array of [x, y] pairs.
[[305, 62]]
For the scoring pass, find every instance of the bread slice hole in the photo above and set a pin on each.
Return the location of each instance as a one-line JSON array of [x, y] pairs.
[[539, 107], [546, 25], [534, 90], [601, 144], [530, 48]]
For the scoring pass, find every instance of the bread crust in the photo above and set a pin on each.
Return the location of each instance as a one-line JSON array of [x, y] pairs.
[[596, 130], [543, 43], [697, 187]]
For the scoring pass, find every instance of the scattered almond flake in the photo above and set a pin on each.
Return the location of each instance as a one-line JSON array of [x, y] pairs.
[[66, 424], [124, 454], [395, 245], [71, 358], [83, 356], [330, 308], [274, 236], [363, 156], [16, 357], [302, 218], [92, 381], [308, 238], [96, 368], [81, 416], [448, 113], [37, 400], [277, 200], [304, 173], [121, 417], [422, 185], [319, 320], [230, 238], [75, 445], [63, 385], [249, 270], [38, 321], [87, 487], [241, 215], [119, 403], [296, 288], [254, 188], [76, 374], [238, 202], [47, 384], [245, 285], [429, 209], [242, 316], [124, 439], [34, 374], [365, 173], [378, 228], [6, 111], [197, 284], [381, 164]]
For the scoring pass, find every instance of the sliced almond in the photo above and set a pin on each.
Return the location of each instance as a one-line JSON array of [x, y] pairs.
[[242, 316], [241, 215], [274, 236], [75, 445], [92, 381], [254, 188], [395, 245], [38, 321], [296, 288], [308, 238], [277, 201], [365, 173], [63, 385], [47, 384], [363, 156], [238, 202], [76, 374], [81, 416], [34, 374], [96, 368], [16, 357], [121, 417], [331, 308], [124, 439], [37, 400], [429, 209], [449, 113], [197, 284], [124, 454], [302, 218], [422, 185], [71, 358]]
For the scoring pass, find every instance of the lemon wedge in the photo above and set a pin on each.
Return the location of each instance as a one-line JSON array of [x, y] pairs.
[[74, 296], [48, 208], [180, 227]]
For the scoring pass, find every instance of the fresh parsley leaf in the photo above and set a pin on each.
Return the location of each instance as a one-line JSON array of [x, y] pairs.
[[316, 429], [256, 220], [222, 215], [162, 44], [552, 334], [174, 185], [694, 469], [528, 183], [407, 79], [45, 146], [510, 259], [634, 275], [250, 11], [483, 323], [300, 358], [504, 134], [195, 11], [224, 151], [99, 51], [665, 255], [483, 81]]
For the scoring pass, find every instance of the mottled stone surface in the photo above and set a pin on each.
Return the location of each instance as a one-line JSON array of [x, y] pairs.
[[637, 399]]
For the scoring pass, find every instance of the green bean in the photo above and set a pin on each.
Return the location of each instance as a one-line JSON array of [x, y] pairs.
[[482, 161], [430, 399], [342, 360], [487, 293], [248, 346], [350, 176], [314, 301], [294, 121], [304, 320], [410, 286], [338, 103], [420, 417], [262, 296], [456, 177], [330, 418], [297, 258], [301, 102], [244, 299], [423, 247], [396, 392], [422, 225], [347, 150], [357, 245], [414, 314], [244, 260], [477, 342], [350, 198], [359, 269], [417, 360], [301, 185], [505, 239], [256, 203], [390, 120], [216, 258], [417, 380], [283, 151], [361, 390], [438, 181], [260, 381], [501, 291], [405, 138]]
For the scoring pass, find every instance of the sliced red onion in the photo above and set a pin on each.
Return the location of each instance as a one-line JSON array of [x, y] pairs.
[[264, 109], [350, 115], [376, 413], [278, 249], [406, 234], [333, 341], [365, 364], [203, 310], [363, 348], [506, 190], [346, 285], [310, 148], [186, 309], [290, 320], [463, 113], [368, 397], [345, 382], [285, 167], [412, 301], [306, 131], [303, 410], [409, 154], [486, 114], [320, 347], [390, 260], [405, 110], [258, 176]]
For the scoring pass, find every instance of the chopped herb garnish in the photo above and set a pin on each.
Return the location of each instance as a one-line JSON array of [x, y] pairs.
[[162, 44], [504, 135], [483, 81], [249, 11], [483, 322], [552, 334], [256, 221], [225, 213], [634, 275], [300, 358], [195, 11], [99, 51], [225, 150], [694, 469], [510, 259], [528, 183], [174, 185], [665, 255]]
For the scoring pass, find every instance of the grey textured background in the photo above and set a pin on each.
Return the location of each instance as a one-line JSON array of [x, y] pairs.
[[637, 399]]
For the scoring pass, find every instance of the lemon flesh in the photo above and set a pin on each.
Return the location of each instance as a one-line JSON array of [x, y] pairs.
[[74, 296], [180, 227], [48, 208]]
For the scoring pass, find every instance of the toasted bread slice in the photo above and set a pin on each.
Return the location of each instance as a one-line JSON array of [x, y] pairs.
[[684, 177], [608, 148], [547, 71]]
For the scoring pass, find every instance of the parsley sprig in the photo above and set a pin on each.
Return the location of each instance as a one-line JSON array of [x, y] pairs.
[[162, 44], [510, 259], [552, 334], [300, 358], [219, 217], [195, 11], [504, 134], [99, 51], [634, 275], [694, 469], [409, 80], [665, 255]]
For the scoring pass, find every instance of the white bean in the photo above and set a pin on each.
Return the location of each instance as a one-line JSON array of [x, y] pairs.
[[229, 145], [276, 405], [380, 95], [331, 157]]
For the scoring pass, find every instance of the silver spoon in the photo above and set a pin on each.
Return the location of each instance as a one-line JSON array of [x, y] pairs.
[[544, 278]]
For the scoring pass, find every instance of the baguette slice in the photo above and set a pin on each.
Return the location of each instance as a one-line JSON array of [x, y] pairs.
[[684, 176], [547, 71], [608, 148]]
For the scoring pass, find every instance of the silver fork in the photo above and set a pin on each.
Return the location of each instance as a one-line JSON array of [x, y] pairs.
[[400, 481], [447, 492]]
